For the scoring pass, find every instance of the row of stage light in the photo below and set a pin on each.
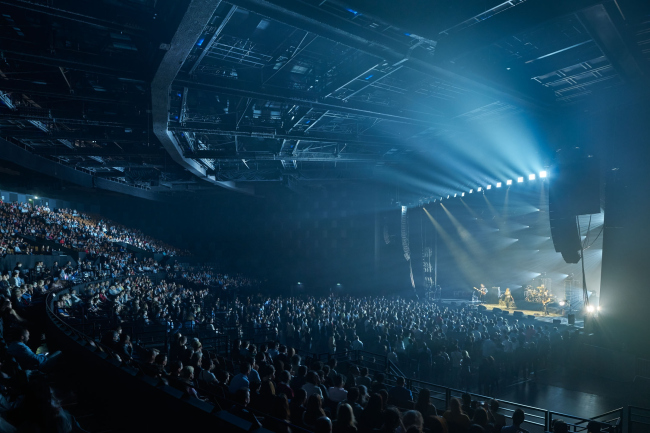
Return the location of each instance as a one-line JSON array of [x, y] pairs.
[[520, 179]]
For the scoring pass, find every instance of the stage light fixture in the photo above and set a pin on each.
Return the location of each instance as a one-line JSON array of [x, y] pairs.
[[520, 179], [447, 195], [598, 308], [479, 189], [455, 195], [489, 187], [498, 184], [471, 191], [542, 174], [462, 194], [562, 303], [531, 177], [509, 182], [590, 309]]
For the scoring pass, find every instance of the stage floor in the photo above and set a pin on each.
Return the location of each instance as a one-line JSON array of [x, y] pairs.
[[539, 315]]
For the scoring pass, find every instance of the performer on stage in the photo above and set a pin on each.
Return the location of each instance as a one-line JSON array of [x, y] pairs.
[[483, 291], [480, 293], [507, 300]]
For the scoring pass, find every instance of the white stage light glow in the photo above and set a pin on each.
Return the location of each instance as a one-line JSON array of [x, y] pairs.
[[520, 179], [542, 174], [509, 182]]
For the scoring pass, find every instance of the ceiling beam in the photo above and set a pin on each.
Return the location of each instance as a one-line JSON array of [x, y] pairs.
[[69, 59], [305, 136], [56, 116], [111, 164], [197, 16], [300, 156], [311, 18], [115, 136], [73, 16], [92, 151], [508, 23], [306, 99], [31, 89]]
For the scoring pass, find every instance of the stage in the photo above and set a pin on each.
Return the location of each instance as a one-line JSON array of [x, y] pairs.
[[526, 314]]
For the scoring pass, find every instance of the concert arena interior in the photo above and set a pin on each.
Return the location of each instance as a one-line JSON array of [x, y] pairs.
[[323, 216]]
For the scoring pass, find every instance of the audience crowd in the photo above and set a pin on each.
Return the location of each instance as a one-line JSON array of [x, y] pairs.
[[276, 383], [69, 229]]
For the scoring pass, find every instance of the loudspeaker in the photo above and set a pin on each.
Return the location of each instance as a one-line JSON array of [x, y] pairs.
[[572, 319], [557, 321], [482, 308], [518, 314], [564, 232], [573, 190], [505, 313]]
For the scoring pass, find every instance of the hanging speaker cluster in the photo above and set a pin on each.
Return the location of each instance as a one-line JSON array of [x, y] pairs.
[[574, 190]]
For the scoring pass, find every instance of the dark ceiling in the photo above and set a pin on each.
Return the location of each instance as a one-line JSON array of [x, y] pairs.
[[169, 96]]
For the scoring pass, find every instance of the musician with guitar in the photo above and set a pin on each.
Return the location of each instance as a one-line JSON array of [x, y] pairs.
[[482, 291]]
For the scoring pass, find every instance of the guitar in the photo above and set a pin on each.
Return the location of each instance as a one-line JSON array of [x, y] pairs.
[[481, 291]]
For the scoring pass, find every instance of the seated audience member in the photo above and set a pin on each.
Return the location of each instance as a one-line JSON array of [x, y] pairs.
[[268, 385], [240, 409], [467, 405], [364, 379], [373, 415], [323, 425], [457, 420], [593, 427], [353, 401], [435, 424], [187, 381], [494, 416], [40, 411], [392, 421], [378, 384], [399, 395], [241, 380], [282, 386], [206, 376], [345, 421], [518, 417], [480, 418], [413, 421], [559, 426], [424, 405], [27, 359], [149, 367], [297, 407], [312, 384], [337, 393], [314, 411], [280, 416]]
